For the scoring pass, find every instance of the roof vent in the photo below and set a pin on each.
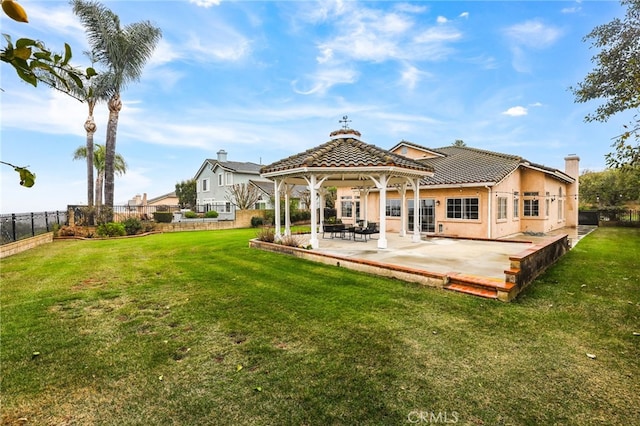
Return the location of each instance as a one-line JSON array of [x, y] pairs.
[[222, 155]]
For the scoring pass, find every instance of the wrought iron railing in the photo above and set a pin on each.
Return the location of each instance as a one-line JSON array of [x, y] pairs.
[[18, 226]]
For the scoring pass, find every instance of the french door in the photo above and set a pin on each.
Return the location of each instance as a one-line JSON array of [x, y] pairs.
[[427, 215]]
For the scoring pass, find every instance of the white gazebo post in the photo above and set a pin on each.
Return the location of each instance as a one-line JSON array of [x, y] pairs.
[[403, 209], [321, 193], [314, 218], [287, 211], [382, 241], [276, 219], [416, 211]]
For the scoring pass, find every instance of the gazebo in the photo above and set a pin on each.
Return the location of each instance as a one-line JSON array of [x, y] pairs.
[[345, 161]]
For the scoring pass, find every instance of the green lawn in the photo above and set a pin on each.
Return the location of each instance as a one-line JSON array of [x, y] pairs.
[[197, 328]]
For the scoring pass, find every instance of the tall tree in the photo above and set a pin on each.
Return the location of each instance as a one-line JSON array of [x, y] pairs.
[[186, 191], [124, 51], [99, 156], [243, 195], [616, 79], [459, 142]]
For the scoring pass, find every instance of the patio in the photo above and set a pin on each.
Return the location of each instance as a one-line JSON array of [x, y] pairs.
[[482, 268]]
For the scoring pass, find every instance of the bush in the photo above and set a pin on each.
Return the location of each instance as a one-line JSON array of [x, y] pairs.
[[190, 214], [257, 221], [211, 214], [268, 235], [111, 229], [132, 226], [163, 217], [292, 241]]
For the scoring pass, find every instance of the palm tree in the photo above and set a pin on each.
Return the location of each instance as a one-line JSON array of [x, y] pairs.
[[124, 51], [99, 156]]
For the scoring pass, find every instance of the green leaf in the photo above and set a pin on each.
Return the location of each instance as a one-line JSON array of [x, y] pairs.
[[67, 54], [25, 42], [27, 178], [91, 72], [22, 53], [27, 76], [43, 56]]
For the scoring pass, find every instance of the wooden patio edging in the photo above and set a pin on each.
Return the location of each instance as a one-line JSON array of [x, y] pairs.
[[524, 268]]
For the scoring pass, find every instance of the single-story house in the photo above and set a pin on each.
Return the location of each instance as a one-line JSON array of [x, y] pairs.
[[461, 191]]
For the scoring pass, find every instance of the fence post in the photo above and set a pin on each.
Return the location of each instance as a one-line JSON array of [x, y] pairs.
[[13, 226], [33, 225], [46, 221]]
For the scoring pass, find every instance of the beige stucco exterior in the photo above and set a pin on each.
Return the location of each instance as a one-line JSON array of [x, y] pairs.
[[528, 187]]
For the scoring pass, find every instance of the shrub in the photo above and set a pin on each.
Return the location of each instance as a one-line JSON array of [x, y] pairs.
[[111, 229], [190, 214], [148, 226], [292, 241], [162, 217], [267, 235], [211, 214], [257, 221], [132, 225]]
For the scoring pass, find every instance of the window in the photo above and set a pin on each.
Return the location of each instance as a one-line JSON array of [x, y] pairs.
[[346, 207], [547, 204], [531, 206], [229, 178], [393, 208], [502, 208], [516, 205], [205, 185], [463, 208], [220, 181], [560, 204]]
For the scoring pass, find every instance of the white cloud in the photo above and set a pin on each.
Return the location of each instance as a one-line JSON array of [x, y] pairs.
[[536, 104], [533, 34], [411, 8], [411, 76], [464, 15], [323, 80], [205, 3], [516, 111], [224, 46], [441, 20]]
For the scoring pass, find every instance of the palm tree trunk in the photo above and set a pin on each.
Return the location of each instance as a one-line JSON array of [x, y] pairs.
[[115, 105], [99, 186], [90, 127]]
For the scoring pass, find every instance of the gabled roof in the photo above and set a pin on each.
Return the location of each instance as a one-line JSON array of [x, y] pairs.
[[417, 147], [346, 153], [460, 165], [232, 166]]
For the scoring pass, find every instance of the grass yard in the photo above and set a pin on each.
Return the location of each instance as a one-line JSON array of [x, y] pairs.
[[196, 328]]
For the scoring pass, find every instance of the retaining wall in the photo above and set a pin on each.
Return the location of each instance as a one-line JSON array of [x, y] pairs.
[[526, 266], [16, 247]]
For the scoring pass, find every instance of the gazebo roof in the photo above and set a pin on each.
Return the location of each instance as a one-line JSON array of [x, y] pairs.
[[346, 157]]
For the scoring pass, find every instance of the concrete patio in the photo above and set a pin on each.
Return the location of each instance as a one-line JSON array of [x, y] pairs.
[[495, 269]]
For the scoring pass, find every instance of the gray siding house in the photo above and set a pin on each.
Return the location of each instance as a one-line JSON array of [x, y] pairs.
[[215, 177]]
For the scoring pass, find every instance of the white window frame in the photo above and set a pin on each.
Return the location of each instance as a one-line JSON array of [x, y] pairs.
[[205, 185], [501, 209], [531, 204]]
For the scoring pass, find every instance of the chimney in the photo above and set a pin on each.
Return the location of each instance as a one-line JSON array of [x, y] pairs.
[[144, 199], [572, 168], [222, 156]]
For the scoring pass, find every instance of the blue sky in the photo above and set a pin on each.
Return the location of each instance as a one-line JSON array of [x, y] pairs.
[[264, 80]]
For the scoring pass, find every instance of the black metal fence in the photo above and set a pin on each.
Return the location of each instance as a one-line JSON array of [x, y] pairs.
[[613, 215], [18, 226], [81, 214]]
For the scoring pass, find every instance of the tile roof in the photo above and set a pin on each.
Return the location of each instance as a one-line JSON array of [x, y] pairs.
[[345, 152], [460, 165], [464, 165]]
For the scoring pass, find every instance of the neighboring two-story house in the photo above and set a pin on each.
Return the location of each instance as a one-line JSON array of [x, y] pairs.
[[215, 178]]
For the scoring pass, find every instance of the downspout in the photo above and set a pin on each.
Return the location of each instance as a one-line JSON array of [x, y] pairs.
[[489, 211]]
